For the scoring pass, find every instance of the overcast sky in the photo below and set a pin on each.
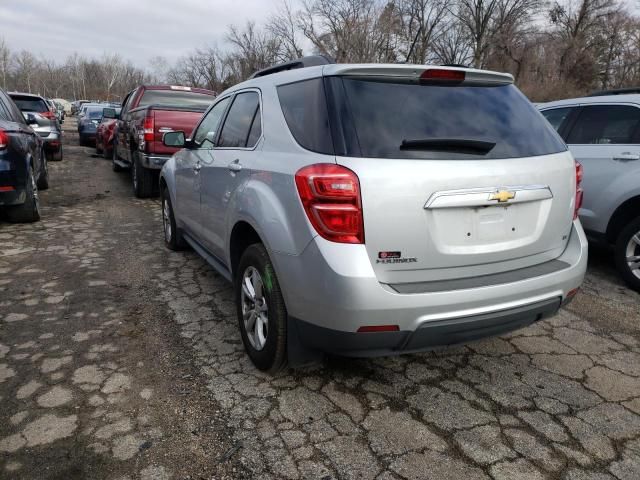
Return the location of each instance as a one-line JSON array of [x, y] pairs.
[[136, 29]]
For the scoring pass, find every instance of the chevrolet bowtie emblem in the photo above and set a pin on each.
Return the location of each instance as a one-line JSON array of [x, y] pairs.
[[502, 196]]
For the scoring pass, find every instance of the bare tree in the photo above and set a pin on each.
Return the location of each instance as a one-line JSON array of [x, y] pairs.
[[5, 61], [284, 25]]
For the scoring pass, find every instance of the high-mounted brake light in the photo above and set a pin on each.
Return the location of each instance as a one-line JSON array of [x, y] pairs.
[[579, 191], [180, 87], [330, 196], [148, 127], [4, 140], [442, 74]]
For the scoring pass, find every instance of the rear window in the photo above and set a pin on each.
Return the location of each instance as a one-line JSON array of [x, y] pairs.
[[374, 118], [94, 113], [30, 104], [176, 98]]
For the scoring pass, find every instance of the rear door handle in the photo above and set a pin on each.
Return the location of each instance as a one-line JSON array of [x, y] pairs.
[[197, 167], [235, 166], [626, 157]]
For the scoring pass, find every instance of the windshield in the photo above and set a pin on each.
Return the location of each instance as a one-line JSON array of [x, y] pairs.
[[176, 98]]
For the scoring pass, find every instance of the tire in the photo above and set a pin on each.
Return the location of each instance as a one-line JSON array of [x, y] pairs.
[[114, 156], [29, 211], [106, 153], [98, 149], [57, 156], [267, 352], [627, 254], [81, 141], [141, 178], [43, 178], [172, 234]]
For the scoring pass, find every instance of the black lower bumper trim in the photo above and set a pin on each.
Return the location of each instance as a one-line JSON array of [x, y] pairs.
[[430, 335]]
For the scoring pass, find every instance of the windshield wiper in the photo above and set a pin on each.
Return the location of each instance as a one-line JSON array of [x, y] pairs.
[[478, 147]]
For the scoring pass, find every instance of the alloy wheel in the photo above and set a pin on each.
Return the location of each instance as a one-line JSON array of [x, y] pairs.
[[255, 311], [633, 254], [36, 198]]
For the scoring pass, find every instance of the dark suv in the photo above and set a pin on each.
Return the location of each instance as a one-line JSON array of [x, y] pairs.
[[23, 165]]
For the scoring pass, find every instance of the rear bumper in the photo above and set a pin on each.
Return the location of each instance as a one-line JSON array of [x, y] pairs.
[[331, 291], [154, 162], [429, 335]]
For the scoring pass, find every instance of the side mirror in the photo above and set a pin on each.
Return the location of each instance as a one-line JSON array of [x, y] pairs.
[[109, 113], [174, 139], [31, 119]]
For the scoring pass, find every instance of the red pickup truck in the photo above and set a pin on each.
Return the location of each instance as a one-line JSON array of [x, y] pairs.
[[148, 112]]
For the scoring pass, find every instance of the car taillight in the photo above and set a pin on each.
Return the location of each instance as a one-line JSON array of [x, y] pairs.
[[330, 195], [48, 115], [579, 191], [148, 126], [4, 140]]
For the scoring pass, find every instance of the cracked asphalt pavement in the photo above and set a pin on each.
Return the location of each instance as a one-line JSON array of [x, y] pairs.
[[122, 360]]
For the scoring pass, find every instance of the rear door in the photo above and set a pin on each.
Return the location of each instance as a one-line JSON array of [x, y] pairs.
[[457, 179], [605, 139], [169, 121]]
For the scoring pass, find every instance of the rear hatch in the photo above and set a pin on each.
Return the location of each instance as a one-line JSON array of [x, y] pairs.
[[460, 176]]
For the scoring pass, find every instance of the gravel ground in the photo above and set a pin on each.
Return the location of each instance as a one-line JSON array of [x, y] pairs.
[[122, 360]]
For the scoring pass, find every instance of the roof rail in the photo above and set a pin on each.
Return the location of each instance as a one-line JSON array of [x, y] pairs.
[[309, 61], [617, 91]]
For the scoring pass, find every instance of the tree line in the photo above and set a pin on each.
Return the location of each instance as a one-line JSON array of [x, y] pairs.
[[553, 49]]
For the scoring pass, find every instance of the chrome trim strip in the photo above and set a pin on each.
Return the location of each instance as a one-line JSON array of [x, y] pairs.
[[481, 197]]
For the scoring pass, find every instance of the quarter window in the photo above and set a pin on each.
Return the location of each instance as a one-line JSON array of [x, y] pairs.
[[557, 116], [237, 128], [605, 125]]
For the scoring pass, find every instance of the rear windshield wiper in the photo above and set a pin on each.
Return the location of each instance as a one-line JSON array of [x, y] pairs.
[[449, 145]]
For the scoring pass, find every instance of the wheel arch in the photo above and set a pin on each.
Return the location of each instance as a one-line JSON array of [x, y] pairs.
[[242, 236], [626, 212]]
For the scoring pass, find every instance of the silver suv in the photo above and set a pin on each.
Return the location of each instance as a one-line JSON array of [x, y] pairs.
[[603, 134], [366, 210]]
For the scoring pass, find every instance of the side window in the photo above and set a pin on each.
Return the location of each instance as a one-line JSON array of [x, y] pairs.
[[205, 135], [304, 105], [240, 119], [4, 113], [557, 116], [605, 125], [13, 112], [256, 129], [127, 101]]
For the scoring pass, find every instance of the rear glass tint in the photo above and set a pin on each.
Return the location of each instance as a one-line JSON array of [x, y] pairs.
[[177, 98], [30, 104], [304, 106], [385, 114]]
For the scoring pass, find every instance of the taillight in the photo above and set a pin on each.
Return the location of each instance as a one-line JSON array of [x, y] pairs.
[[148, 126], [330, 195], [579, 191], [4, 140], [48, 115]]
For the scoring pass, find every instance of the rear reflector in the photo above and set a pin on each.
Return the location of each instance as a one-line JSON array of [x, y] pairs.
[[442, 74], [7, 189], [379, 328]]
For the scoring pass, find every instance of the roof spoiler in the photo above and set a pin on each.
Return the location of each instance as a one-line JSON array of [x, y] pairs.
[[617, 91], [303, 62]]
